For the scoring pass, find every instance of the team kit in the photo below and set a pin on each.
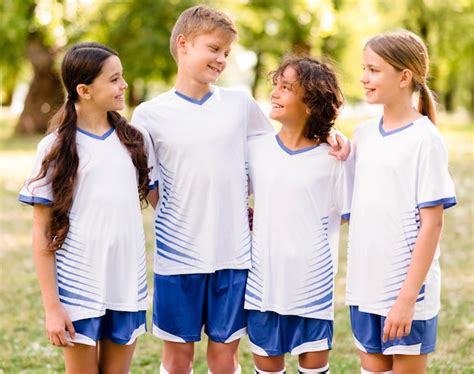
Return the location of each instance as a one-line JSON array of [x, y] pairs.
[[197, 153]]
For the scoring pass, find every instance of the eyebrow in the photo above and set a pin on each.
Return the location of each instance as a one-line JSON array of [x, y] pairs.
[[114, 74]]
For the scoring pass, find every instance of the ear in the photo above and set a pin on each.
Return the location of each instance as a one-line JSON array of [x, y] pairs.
[[406, 78], [83, 91], [308, 111], [181, 43]]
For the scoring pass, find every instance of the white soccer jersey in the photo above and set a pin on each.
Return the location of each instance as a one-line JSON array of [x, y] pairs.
[[201, 222], [300, 197], [101, 264], [396, 174]]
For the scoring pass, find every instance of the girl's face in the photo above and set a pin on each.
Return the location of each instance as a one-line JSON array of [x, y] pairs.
[[108, 88], [288, 107], [380, 79]]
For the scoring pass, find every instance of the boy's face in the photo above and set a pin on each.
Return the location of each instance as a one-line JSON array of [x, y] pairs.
[[204, 57], [288, 107]]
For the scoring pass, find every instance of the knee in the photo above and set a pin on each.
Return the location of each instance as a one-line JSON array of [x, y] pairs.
[[176, 365]]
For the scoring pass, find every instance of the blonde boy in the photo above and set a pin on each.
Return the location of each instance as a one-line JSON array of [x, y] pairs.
[[203, 242]]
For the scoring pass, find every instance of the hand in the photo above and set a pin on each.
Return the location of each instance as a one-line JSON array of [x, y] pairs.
[[340, 145], [57, 324], [399, 320], [250, 216]]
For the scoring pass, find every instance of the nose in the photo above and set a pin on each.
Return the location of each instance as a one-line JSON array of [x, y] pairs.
[[363, 77], [274, 93], [221, 58], [124, 84]]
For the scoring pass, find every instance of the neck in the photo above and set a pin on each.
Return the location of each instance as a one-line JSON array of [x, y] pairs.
[[399, 113], [294, 139], [191, 88], [92, 120]]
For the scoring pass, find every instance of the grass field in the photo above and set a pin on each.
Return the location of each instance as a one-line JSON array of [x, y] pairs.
[[25, 349]]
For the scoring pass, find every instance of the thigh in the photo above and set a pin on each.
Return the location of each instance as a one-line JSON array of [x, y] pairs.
[[375, 362], [314, 360], [178, 305], [115, 358], [274, 363], [80, 359], [226, 318], [413, 364]]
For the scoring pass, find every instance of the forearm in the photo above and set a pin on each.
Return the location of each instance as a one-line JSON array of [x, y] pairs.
[[44, 258]]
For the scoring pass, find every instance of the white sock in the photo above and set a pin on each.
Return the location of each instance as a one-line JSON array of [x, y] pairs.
[[269, 372], [324, 369], [163, 370], [363, 371]]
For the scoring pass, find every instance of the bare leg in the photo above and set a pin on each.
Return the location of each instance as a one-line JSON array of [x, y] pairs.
[[178, 357], [223, 358], [273, 363], [375, 362], [115, 358], [314, 360], [80, 359], [410, 364]]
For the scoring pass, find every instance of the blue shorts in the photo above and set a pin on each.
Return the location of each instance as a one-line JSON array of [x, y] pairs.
[[119, 327], [273, 334], [367, 329], [183, 304]]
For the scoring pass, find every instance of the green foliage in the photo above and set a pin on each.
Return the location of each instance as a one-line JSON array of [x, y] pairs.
[[140, 31]]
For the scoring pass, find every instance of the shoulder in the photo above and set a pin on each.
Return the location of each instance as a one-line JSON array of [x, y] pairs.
[[429, 134], [152, 104], [235, 95], [260, 140], [47, 142], [367, 125]]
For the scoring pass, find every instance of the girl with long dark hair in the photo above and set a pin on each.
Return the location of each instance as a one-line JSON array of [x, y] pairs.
[[91, 177]]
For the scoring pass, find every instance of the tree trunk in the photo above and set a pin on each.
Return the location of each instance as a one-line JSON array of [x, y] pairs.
[[45, 95]]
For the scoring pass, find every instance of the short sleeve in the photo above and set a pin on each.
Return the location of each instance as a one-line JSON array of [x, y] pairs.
[[141, 119], [434, 184], [153, 173], [344, 182], [38, 191], [257, 122]]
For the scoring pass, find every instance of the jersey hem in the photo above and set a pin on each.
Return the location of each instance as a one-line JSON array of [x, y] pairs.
[[417, 316], [77, 316], [206, 270], [284, 312]]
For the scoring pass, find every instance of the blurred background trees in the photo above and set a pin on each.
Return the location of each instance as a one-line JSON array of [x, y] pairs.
[[35, 33]]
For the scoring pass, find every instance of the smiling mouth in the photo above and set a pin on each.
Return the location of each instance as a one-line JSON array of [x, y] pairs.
[[277, 106], [217, 70]]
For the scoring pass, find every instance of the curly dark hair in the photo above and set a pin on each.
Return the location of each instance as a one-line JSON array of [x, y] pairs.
[[81, 65], [322, 94]]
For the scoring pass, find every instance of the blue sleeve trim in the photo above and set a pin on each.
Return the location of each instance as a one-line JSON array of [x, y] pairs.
[[447, 202], [346, 216], [154, 185], [32, 200]]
